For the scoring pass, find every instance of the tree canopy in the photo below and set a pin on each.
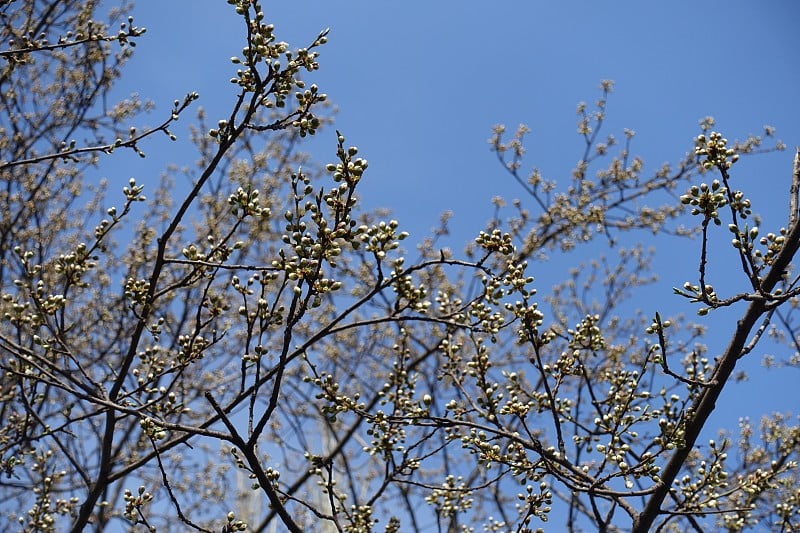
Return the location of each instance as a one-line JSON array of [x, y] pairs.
[[258, 351]]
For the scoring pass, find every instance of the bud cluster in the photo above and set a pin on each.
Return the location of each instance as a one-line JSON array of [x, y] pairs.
[[706, 200], [714, 152]]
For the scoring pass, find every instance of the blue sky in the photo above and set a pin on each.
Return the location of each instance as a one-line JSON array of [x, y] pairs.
[[420, 84]]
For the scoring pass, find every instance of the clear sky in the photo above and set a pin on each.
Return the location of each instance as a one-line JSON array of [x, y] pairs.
[[419, 84]]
